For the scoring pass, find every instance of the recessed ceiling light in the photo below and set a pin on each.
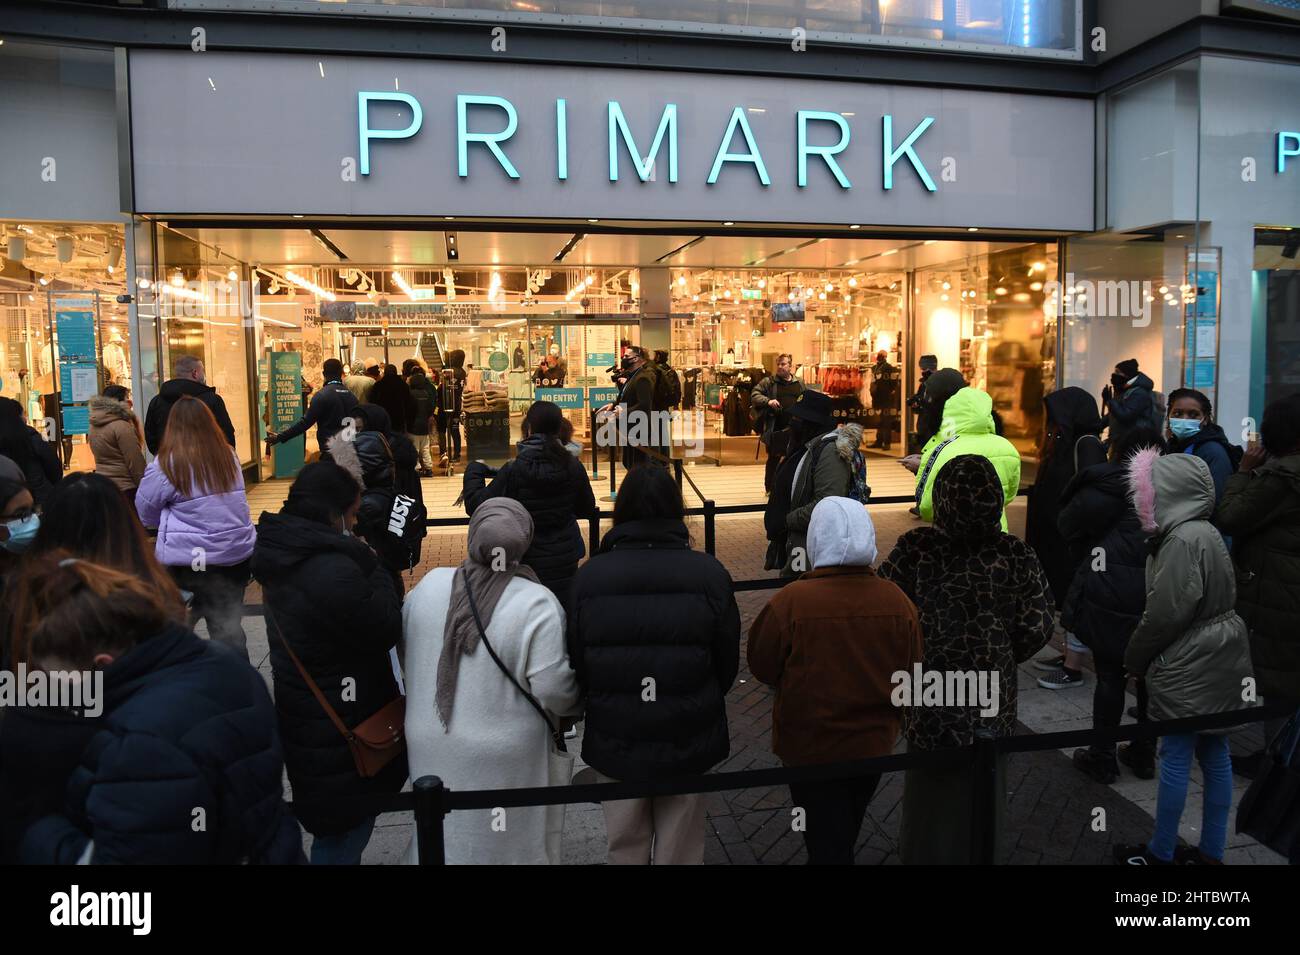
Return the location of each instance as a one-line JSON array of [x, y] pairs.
[[728, 222], [972, 229], [296, 216], [449, 218], [593, 220], [855, 227]]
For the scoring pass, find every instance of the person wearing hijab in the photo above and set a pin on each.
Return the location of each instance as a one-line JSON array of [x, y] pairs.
[[985, 608], [473, 720], [829, 643]]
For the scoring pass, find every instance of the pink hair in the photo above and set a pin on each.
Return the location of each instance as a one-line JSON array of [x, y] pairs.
[[1142, 487]]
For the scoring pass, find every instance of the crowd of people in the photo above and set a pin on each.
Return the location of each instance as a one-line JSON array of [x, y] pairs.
[[1165, 557]]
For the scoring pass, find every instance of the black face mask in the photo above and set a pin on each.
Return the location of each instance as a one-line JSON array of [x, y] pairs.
[[1118, 380], [627, 362]]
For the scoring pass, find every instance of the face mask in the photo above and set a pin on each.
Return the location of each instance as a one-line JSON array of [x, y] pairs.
[[1184, 427], [627, 362], [1118, 380], [21, 533]]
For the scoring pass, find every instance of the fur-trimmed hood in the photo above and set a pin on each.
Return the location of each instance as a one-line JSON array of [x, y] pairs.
[[847, 440], [1169, 490], [107, 410], [344, 452]]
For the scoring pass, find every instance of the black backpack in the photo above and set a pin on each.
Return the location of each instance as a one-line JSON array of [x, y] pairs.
[[668, 388]]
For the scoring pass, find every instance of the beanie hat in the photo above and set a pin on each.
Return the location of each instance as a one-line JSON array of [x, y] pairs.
[[1128, 367]]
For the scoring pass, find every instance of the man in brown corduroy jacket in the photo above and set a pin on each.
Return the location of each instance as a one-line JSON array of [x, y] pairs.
[[830, 643]]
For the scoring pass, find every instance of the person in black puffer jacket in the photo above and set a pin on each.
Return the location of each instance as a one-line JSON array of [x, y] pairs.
[[553, 485], [654, 637], [328, 596], [393, 394], [185, 730], [1107, 595]]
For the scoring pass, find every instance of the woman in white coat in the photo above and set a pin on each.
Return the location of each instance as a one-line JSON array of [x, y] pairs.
[[466, 721]]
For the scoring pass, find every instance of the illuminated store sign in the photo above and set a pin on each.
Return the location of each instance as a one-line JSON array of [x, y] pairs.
[[1288, 145], [622, 139]]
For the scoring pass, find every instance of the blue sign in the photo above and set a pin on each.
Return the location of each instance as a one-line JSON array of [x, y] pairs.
[[600, 359], [564, 397], [76, 419], [599, 397], [1288, 144]]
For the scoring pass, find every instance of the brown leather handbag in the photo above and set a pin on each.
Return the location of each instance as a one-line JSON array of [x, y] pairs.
[[376, 741]]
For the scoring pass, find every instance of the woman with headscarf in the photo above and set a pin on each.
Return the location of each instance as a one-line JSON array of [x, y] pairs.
[[985, 608], [488, 682]]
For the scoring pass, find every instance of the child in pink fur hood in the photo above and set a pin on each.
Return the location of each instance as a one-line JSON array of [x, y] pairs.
[[1190, 645]]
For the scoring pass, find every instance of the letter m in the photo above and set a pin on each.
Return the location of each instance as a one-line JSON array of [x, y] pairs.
[[618, 127], [1113, 299]]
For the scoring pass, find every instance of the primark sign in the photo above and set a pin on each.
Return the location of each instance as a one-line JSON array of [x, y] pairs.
[[264, 134]]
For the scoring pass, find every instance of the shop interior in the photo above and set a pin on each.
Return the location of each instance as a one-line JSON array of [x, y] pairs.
[[544, 315], [54, 276]]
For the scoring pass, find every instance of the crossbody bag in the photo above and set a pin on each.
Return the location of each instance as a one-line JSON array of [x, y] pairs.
[[374, 742]]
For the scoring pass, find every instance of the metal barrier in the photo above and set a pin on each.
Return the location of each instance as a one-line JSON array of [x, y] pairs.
[[431, 800]]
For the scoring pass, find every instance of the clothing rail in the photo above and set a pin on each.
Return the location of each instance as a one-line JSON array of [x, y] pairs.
[[431, 800]]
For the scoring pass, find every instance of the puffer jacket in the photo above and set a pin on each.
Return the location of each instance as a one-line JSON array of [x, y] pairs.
[[967, 428], [423, 401], [1105, 599], [831, 476], [115, 441], [647, 606], [1260, 511], [338, 608], [216, 526], [1134, 407], [1190, 645], [1071, 415], [556, 491], [1211, 445], [187, 725]]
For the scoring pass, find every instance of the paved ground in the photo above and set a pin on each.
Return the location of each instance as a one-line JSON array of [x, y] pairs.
[[1051, 807]]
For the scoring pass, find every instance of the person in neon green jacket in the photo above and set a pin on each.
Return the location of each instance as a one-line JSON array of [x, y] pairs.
[[967, 428]]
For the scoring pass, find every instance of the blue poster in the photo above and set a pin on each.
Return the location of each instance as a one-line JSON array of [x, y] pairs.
[[564, 397], [599, 397], [76, 419], [286, 408]]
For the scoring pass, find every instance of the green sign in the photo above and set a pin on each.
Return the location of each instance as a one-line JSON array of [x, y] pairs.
[[498, 361], [286, 408]]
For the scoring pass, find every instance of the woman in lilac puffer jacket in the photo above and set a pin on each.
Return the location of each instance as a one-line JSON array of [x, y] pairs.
[[193, 493]]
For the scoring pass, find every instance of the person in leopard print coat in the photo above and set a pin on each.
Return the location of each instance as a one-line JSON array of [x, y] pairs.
[[984, 606]]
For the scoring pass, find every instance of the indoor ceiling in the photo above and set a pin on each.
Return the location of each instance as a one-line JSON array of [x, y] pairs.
[[384, 248]]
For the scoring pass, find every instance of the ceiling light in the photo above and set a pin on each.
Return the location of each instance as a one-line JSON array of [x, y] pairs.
[[1002, 291], [44, 280], [177, 279], [593, 220], [309, 286], [972, 229], [946, 285], [1035, 286], [829, 287], [853, 281], [855, 227], [232, 275], [728, 222]]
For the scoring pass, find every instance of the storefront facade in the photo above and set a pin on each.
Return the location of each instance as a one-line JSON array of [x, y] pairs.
[[1030, 225]]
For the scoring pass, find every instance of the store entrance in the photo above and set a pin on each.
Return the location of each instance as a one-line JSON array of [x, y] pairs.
[[856, 316]]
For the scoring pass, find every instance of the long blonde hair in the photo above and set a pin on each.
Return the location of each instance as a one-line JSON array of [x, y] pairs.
[[194, 454]]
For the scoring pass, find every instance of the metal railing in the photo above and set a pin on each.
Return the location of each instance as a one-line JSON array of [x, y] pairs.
[[431, 800]]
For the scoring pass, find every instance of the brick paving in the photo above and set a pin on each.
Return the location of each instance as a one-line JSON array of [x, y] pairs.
[[1051, 806]]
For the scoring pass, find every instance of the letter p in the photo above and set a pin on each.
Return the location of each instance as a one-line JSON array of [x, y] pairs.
[[366, 133], [1288, 144]]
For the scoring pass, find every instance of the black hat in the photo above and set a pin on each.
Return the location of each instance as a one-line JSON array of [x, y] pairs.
[[813, 407], [929, 363], [1128, 367]]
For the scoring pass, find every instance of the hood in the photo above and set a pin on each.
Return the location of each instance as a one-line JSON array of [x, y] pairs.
[[663, 532], [344, 453], [172, 646], [173, 390], [534, 460], [1169, 490], [840, 534], [1074, 411], [1287, 467], [968, 501], [848, 439], [1109, 477], [1140, 380], [969, 411], [285, 540], [943, 384], [106, 410], [377, 419]]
